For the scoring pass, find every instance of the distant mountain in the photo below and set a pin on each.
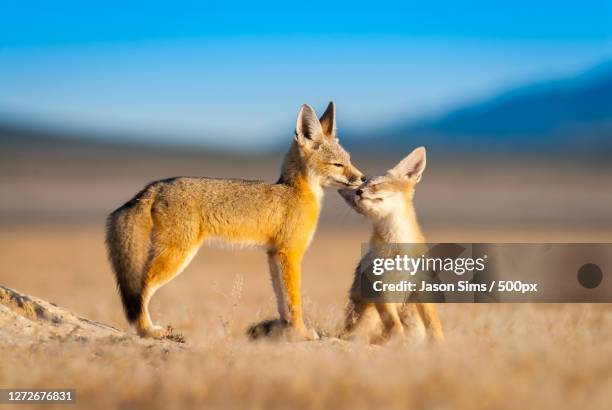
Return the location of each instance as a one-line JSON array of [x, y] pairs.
[[571, 114], [564, 116]]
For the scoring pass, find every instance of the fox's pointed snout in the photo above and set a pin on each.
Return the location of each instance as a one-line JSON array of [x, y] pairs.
[[357, 179]]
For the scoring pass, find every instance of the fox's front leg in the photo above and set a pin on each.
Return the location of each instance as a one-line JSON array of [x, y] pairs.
[[286, 278], [290, 303]]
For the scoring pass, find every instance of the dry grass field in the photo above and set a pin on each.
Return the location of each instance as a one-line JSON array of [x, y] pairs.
[[52, 207], [495, 356]]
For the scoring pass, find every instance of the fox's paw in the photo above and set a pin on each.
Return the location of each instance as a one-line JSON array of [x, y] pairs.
[[153, 332], [306, 333], [276, 329]]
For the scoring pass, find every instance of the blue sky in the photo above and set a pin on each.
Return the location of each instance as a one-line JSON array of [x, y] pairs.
[[234, 74]]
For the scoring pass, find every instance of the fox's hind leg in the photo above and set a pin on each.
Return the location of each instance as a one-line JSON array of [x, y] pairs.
[[168, 258]]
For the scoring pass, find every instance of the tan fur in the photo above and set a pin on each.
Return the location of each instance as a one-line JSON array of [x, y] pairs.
[[152, 237], [387, 202]]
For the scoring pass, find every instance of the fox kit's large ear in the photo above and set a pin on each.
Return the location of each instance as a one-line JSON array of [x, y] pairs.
[[308, 131], [412, 166], [328, 121]]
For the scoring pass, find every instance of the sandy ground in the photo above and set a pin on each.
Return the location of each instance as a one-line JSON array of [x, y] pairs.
[[495, 356]]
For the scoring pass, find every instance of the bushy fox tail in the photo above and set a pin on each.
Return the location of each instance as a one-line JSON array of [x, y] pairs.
[[128, 239]]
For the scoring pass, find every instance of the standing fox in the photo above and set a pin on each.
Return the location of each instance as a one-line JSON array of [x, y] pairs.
[[154, 236], [387, 202]]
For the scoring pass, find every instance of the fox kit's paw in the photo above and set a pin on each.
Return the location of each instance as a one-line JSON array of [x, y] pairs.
[[278, 329], [437, 338]]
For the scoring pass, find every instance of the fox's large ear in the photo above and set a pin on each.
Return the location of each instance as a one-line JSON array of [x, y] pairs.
[[308, 128], [412, 166], [328, 121]]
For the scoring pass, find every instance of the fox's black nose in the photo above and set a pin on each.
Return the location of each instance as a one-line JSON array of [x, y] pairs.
[[359, 192]]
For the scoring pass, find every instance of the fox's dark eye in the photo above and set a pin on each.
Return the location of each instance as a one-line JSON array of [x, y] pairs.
[[337, 164]]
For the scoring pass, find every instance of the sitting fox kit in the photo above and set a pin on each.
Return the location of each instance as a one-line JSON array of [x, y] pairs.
[[387, 202], [154, 236]]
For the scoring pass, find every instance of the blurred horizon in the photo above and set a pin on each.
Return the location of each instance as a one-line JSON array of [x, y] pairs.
[[233, 77], [513, 102]]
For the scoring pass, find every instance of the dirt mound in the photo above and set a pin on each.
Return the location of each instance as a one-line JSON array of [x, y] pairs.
[[27, 320]]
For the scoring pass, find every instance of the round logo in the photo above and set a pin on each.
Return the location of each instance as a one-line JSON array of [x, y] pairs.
[[590, 275]]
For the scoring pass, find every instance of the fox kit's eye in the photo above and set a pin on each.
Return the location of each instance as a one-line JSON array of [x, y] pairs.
[[338, 165]]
